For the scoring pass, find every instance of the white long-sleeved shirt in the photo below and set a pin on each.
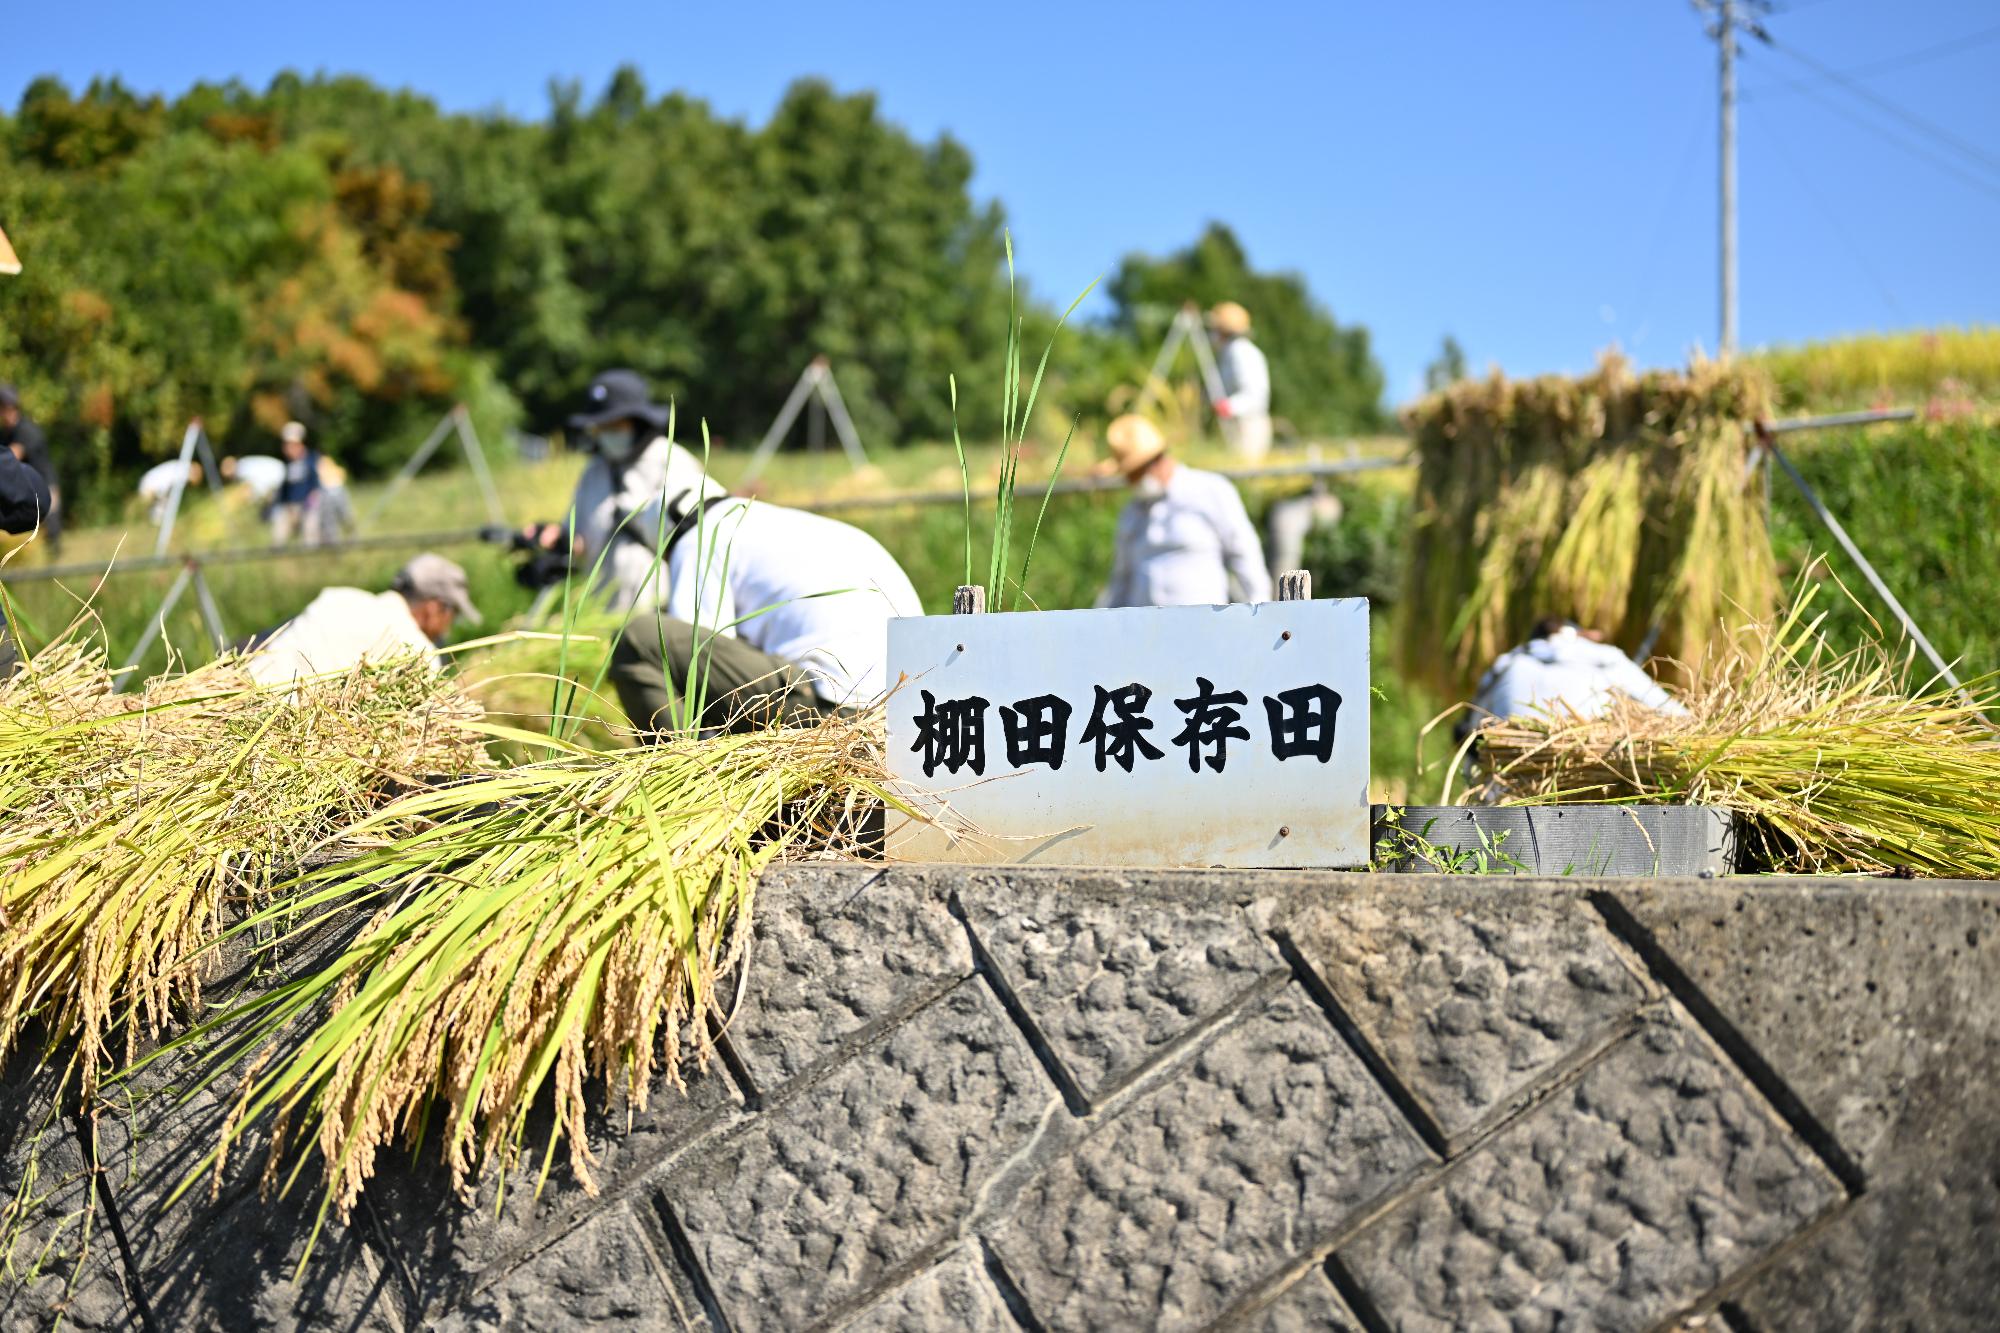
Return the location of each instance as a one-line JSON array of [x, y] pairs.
[[1187, 547], [605, 495], [1567, 672], [159, 480], [806, 588], [261, 474], [1246, 378], [339, 629]]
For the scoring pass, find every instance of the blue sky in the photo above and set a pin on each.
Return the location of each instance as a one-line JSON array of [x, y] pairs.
[[1538, 180]]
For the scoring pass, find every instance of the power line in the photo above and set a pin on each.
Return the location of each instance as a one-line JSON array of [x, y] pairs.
[[1888, 63], [1980, 183], [1831, 217], [1916, 122]]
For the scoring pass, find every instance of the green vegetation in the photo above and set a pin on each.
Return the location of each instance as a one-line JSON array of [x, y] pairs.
[[1885, 370], [354, 257]]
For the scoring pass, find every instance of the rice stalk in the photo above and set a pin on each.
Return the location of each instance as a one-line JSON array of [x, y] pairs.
[[555, 924], [1840, 762], [133, 820]]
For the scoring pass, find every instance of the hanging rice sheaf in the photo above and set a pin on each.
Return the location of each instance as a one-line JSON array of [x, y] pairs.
[[1621, 500], [133, 820]]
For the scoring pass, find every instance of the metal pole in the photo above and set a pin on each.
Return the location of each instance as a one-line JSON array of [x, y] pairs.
[[1726, 25], [843, 425], [1170, 346], [417, 460], [1861, 562], [475, 454], [211, 614], [786, 415], [180, 487], [157, 625]]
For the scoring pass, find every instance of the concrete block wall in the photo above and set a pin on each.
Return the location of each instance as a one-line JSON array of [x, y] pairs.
[[1057, 1100]]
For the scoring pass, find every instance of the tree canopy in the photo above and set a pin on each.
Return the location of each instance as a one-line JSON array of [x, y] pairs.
[[358, 258]]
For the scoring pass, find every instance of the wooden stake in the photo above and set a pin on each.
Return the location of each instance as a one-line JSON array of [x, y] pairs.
[[1295, 585], [969, 600]]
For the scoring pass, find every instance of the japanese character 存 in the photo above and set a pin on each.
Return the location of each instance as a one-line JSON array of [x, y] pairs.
[[1302, 722], [1211, 722], [952, 734], [1121, 736], [1037, 731]]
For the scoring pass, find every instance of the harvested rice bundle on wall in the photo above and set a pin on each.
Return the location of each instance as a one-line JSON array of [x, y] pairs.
[[537, 679], [1618, 499], [132, 819], [553, 923], [1839, 765]]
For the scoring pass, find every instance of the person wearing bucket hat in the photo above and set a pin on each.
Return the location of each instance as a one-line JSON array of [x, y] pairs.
[[1245, 407], [1184, 539], [343, 627], [634, 464]]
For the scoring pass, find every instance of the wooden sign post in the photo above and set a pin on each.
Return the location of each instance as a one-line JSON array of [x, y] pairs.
[[1151, 736]]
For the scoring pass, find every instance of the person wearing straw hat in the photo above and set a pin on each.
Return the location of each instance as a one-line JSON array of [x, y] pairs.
[[1184, 539], [343, 627], [1245, 407], [634, 463]]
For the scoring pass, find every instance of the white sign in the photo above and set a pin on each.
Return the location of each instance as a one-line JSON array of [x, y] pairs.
[[1158, 736]]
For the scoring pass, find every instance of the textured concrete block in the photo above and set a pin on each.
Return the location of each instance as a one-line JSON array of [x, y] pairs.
[[834, 952], [836, 1188], [1637, 1189], [1878, 1005], [1474, 995], [453, 1249], [954, 1293], [1110, 978], [58, 1259], [1309, 1305], [603, 1275], [1271, 1139]]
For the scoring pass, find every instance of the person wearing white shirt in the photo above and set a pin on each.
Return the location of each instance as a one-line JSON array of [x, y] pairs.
[[782, 615], [1245, 407], [344, 627], [159, 482], [1184, 539], [259, 474], [1560, 671], [634, 464]]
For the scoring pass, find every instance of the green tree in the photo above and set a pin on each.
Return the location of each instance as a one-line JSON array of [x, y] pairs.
[[1447, 368], [1324, 376]]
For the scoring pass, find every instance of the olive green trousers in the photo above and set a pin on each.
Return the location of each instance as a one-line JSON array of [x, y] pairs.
[[741, 688]]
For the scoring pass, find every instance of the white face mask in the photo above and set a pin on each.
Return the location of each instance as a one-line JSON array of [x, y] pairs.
[[615, 443], [1149, 487]]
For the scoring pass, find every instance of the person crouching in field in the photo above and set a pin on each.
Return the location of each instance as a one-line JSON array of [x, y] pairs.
[[1564, 670], [24, 499], [343, 627], [1184, 538]]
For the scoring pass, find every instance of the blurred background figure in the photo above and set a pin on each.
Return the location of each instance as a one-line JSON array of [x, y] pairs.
[[260, 476], [331, 516], [24, 438], [1245, 408], [24, 498], [1290, 521], [1184, 538], [1563, 669], [292, 509], [343, 627], [159, 482]]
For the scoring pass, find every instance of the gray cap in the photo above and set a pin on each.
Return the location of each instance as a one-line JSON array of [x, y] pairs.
[[433, 578]]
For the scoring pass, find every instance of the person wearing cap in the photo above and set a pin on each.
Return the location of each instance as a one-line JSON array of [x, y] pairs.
[[158, 483], [633, 465], [781, 614], [293, 509], [24, 439], [1184, 539], [343, 627], [1245, 407]]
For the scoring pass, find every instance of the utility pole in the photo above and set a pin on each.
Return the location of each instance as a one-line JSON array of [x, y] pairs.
[[1726, 40]]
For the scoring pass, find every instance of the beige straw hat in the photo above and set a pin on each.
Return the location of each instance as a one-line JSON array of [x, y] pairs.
[[1134, 443], [1230, 318]]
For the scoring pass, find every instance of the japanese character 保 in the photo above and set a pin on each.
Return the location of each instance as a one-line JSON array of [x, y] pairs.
[[1121, 736]]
